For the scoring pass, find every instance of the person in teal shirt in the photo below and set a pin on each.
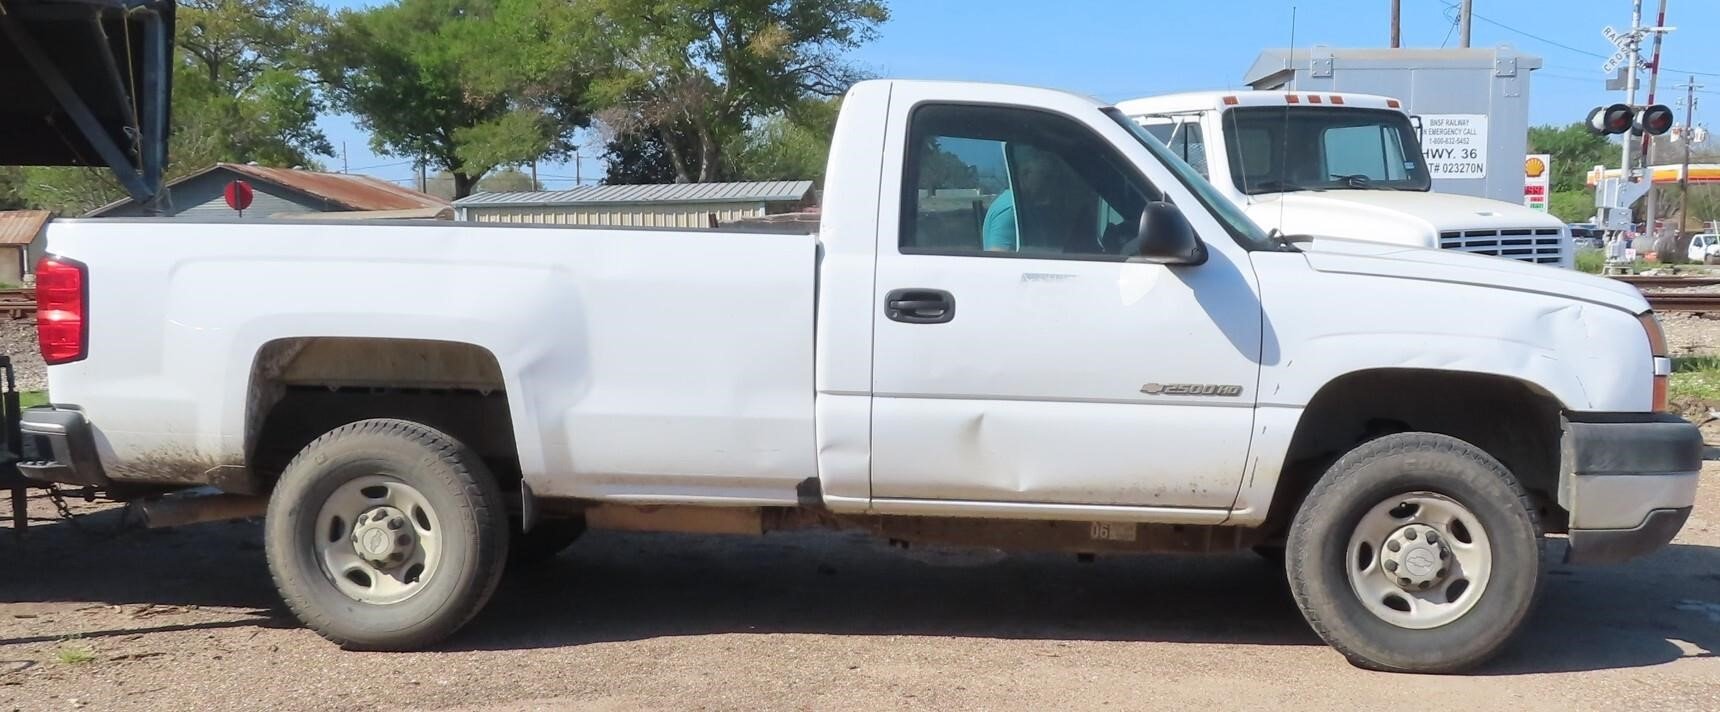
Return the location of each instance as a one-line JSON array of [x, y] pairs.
[[999, 230]]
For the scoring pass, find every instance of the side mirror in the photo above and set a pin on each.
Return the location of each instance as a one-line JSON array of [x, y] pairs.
[[1165, 237]]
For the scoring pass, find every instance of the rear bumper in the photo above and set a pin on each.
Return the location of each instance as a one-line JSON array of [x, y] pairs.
[[1628, 482], [59, 447]]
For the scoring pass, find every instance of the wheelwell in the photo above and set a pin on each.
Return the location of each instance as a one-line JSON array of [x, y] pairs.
[[301, 388], [1514, 421]]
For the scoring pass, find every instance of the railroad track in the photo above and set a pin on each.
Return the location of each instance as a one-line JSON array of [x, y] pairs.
[[1663, 301], [18, 303], [1663, 281]]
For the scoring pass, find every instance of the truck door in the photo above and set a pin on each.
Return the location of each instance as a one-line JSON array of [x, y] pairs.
[[1018, 358]]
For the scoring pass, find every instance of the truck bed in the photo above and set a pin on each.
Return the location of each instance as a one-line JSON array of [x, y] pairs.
[[611, 342]]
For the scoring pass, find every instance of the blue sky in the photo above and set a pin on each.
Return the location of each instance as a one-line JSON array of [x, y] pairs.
[[1117, 49]]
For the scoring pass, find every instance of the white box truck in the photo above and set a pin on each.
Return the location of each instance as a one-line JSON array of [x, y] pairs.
[[1339, 165]]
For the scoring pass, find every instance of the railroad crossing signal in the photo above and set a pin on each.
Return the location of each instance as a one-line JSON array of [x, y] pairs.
[[1653, 120]]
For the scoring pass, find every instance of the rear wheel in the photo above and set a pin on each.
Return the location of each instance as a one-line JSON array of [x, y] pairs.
[[386, 535], [1416, 552]]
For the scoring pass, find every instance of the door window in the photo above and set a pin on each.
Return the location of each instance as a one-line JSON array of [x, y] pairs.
[[1003, 182], [1183, 136]]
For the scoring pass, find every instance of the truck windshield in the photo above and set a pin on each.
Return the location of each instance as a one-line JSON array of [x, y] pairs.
[[1236, 222], [1275, 149]]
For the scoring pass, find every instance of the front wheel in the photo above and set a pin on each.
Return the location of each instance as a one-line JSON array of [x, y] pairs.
[[386, 535], [1416, 552]]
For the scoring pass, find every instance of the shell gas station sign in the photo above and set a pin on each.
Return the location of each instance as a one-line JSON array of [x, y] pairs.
[[1537, 177]]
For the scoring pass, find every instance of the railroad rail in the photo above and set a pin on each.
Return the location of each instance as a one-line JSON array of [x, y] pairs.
[[1677, 301], [18, 303], [1663, 281]]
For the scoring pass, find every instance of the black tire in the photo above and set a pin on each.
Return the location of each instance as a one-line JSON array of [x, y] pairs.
[[547, 538], [1392, 466], [452, 479]]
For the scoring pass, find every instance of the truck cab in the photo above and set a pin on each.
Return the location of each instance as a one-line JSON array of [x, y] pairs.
[[1339, 165]]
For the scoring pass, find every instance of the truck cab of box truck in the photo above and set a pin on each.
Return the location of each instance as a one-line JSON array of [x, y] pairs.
[[1339, 165]]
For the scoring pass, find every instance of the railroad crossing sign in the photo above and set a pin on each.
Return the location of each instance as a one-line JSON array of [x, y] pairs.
[[1627, 42]]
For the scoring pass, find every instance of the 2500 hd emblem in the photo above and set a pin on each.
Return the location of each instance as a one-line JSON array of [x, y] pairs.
[[1191, 389]]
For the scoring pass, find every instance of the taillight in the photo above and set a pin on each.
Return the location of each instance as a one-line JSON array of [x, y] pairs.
[[1662, 363], [62, 309]]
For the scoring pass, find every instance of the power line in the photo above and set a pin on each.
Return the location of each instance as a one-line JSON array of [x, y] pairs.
[[1450, 4]]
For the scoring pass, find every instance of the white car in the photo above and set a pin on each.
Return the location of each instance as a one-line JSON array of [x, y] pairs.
[[1341, 165], [1703, 247], [1022, 323]]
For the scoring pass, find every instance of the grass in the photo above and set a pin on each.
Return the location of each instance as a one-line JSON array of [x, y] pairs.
[[32, 398], [1695, 378], [1591, 260], [73, 655]]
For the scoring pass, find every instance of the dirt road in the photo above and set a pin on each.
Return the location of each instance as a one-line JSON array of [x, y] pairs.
[[188, 620]]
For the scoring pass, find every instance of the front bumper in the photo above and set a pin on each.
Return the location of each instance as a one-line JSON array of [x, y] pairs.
[[1628, 481]]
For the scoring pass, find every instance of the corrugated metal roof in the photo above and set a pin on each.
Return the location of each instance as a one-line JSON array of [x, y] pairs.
[[348, 190], [356, 192], [20, 227], [770, 191]]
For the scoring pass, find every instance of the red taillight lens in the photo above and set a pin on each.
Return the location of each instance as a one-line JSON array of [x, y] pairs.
[[62, 323]]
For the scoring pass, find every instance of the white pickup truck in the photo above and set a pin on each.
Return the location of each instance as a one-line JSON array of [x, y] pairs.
[[1339, 165], [1023, 323]]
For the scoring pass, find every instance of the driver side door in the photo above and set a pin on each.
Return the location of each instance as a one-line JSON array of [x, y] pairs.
[[1061, 373]]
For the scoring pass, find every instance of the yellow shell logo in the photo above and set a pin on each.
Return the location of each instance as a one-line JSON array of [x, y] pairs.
[[1534, 166]]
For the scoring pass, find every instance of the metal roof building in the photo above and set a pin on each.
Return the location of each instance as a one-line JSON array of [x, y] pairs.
[[693, 205], [19, 246], [285, 192]]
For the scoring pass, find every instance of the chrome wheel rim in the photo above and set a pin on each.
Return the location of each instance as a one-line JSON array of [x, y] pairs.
[[378, 539], [1419, 560]]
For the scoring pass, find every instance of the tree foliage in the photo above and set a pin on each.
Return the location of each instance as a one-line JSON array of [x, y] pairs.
[[697, 73], [457, 84], [1575, 150]]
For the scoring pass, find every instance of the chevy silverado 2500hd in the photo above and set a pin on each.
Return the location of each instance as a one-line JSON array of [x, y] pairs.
[[1022, 323]]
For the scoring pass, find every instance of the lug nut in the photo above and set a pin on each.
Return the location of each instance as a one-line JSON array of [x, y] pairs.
[[1409, 534], [1393, 545], [1443, 553], [1441, 573], [1432, 538], [1425, 584], [1391, 566], [403, 540], [396, 523], [1403, 582], [396, 556]]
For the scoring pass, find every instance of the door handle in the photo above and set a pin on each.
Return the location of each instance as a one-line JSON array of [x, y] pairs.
[[919, 306]]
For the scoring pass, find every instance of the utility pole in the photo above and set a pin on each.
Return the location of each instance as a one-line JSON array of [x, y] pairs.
[[577, 181], [534, 174], [1397, 24], [343, 167], [1650, 209], [1463, 23], [1616, 249], [1690, 88]]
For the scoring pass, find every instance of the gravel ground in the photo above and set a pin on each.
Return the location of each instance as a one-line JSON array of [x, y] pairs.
[[18, 339], [1691, 334], [187, 619]]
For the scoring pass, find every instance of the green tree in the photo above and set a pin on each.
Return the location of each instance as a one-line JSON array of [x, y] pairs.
[[706, 69], [792, 145], [1575, 151], [506, 180], [463, 85], [1572, 206], [637, 158]]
